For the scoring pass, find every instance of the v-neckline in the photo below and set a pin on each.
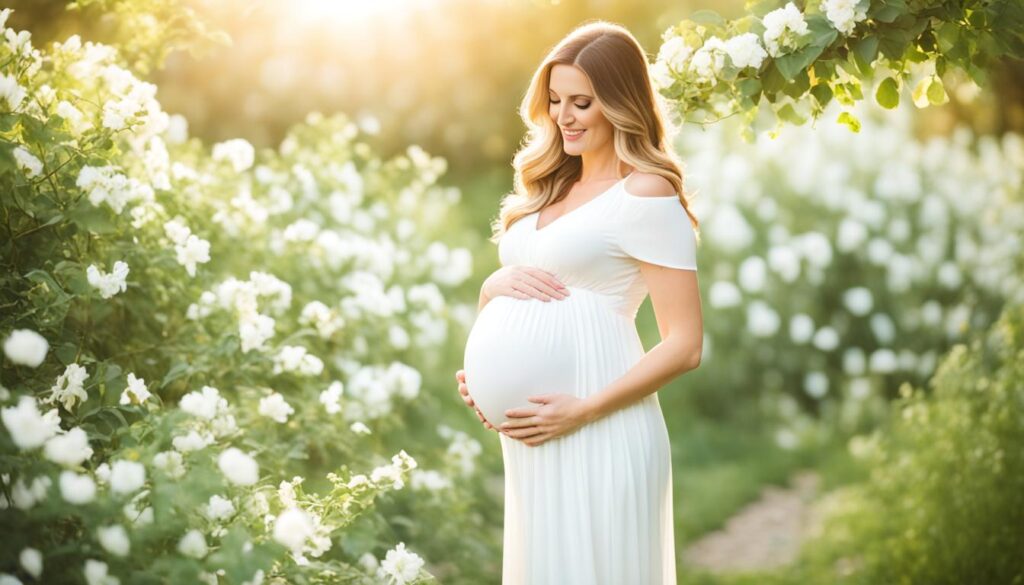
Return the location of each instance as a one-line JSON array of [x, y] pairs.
[[536, 214]]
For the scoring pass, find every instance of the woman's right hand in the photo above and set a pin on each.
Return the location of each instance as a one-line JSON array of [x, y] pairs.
[[524, 282], [460, 376]]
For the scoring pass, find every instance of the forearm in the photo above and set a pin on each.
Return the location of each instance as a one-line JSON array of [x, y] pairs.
[[483, 299], [664, 362]]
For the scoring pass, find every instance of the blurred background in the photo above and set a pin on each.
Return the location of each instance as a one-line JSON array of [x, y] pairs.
[[838, 268]]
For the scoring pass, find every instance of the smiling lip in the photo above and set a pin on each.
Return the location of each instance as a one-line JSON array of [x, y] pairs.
[[573, 135]]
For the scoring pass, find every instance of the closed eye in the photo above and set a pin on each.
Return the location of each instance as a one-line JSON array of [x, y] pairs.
[[582, 107]]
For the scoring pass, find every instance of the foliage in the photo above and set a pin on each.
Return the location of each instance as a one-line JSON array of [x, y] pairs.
[[945, 498], [834, 279], [204, 348], [799, 57]]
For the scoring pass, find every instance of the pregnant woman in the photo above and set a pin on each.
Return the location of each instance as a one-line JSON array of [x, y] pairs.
[[598, 221]]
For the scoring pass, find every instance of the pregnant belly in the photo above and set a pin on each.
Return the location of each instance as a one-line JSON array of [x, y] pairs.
[[519, 348]]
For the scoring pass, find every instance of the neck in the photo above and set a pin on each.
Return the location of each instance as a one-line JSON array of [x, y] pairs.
[[600, 165]]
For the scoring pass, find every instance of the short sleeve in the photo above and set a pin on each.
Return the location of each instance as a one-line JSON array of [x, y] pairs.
[[657, 230]]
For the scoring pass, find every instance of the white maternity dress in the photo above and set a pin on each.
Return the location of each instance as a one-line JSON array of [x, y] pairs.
[[593, 507]]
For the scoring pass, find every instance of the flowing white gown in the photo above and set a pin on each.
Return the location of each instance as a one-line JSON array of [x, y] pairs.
[[593, 507]]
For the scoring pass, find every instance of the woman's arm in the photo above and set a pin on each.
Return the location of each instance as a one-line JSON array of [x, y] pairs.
[[676, 300]]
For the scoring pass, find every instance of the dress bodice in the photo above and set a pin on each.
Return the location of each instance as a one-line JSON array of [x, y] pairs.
[[599, 245]]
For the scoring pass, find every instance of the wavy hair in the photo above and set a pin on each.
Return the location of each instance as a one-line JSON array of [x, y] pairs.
[[617, 68]]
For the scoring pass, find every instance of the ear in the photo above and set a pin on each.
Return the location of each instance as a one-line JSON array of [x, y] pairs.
[[540, 399]]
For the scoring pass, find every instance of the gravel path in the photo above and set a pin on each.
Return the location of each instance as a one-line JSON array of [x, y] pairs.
[[765, 534]]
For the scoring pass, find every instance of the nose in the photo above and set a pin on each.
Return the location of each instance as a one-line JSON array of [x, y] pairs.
[[563, 119]]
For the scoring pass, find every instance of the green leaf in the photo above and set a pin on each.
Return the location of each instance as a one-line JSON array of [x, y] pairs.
[[849, 120], [936, 92], [822, 93], [867, 49], [792, 64], [789, 114], [888, 93], [177, 370]]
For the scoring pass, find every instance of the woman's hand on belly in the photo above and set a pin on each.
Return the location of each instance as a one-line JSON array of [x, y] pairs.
[[524, 282], [557, 415], [464, 390]]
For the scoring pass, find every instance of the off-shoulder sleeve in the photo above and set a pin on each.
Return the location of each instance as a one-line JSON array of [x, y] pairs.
[[657, 230]]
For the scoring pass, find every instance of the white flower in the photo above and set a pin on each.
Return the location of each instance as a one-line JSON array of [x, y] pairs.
[[193, 441], [745, 50], [675, 53], [106, 185], [193, 544], [360, 428], [858, 300], [275, 407], [126, 476], [28, 428], [135, 392], [844, 14], [69, 449], [331, 396], [429, 480], [295, 358], [193, 251], [826, 339], [238, 467], [114, 539], [882, 361], [762, 320], [11, 91], [25, 495], [782, 26], [206, 403], [709, 59], [237, 151], [26, 347], [28, 162], [109, 284], [724, 294], [74, 117], [218, 508], [32, 561], [402, 565], [753, 272], [69, 387], [171, 463], [292, 527], [77, 489], [96, 574], [816, 384]]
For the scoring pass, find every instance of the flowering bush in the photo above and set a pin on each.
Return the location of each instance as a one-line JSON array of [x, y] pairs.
[[193, 336], [944, 501], [801, 56], [838, 266]]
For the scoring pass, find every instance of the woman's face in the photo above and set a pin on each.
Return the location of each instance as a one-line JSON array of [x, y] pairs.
[[572, 105]]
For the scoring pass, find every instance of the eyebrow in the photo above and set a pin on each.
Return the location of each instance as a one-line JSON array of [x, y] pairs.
[[572, 96]]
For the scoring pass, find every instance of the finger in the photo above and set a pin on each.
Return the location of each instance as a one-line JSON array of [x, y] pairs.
[[534, 441], [514, 292], [460, 375], [520, 412], [524, 433], [548, 278], [529, 288], [543, 283], [520, 423]]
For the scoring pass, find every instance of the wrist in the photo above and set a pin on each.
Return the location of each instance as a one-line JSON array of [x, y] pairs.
[[591, 409]]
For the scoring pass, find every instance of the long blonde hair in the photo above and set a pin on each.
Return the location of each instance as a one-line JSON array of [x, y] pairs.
[[616, 66]]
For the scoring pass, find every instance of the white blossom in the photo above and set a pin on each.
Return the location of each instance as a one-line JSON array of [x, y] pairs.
[[135, 392], [275, 407], [69, 387], [114, 539], [11, 91], [782, 27], [96, 573], [126, 476], [109, 284], [238, 467], [193, 544], [844, 14], [292, 527], [28, 162], [77, 488], [32, 561], [745, 50], [69, 449], [237, 151], [402, 565], [26, 347], [331, 396], [28, 427]]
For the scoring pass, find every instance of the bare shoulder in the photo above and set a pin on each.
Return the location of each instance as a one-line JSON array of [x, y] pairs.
[[648, 185]]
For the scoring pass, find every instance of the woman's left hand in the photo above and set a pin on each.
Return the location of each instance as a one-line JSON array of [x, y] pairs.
[[557, 415]]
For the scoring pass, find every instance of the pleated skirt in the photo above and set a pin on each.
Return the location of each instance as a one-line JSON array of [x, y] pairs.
[[593, 507]]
